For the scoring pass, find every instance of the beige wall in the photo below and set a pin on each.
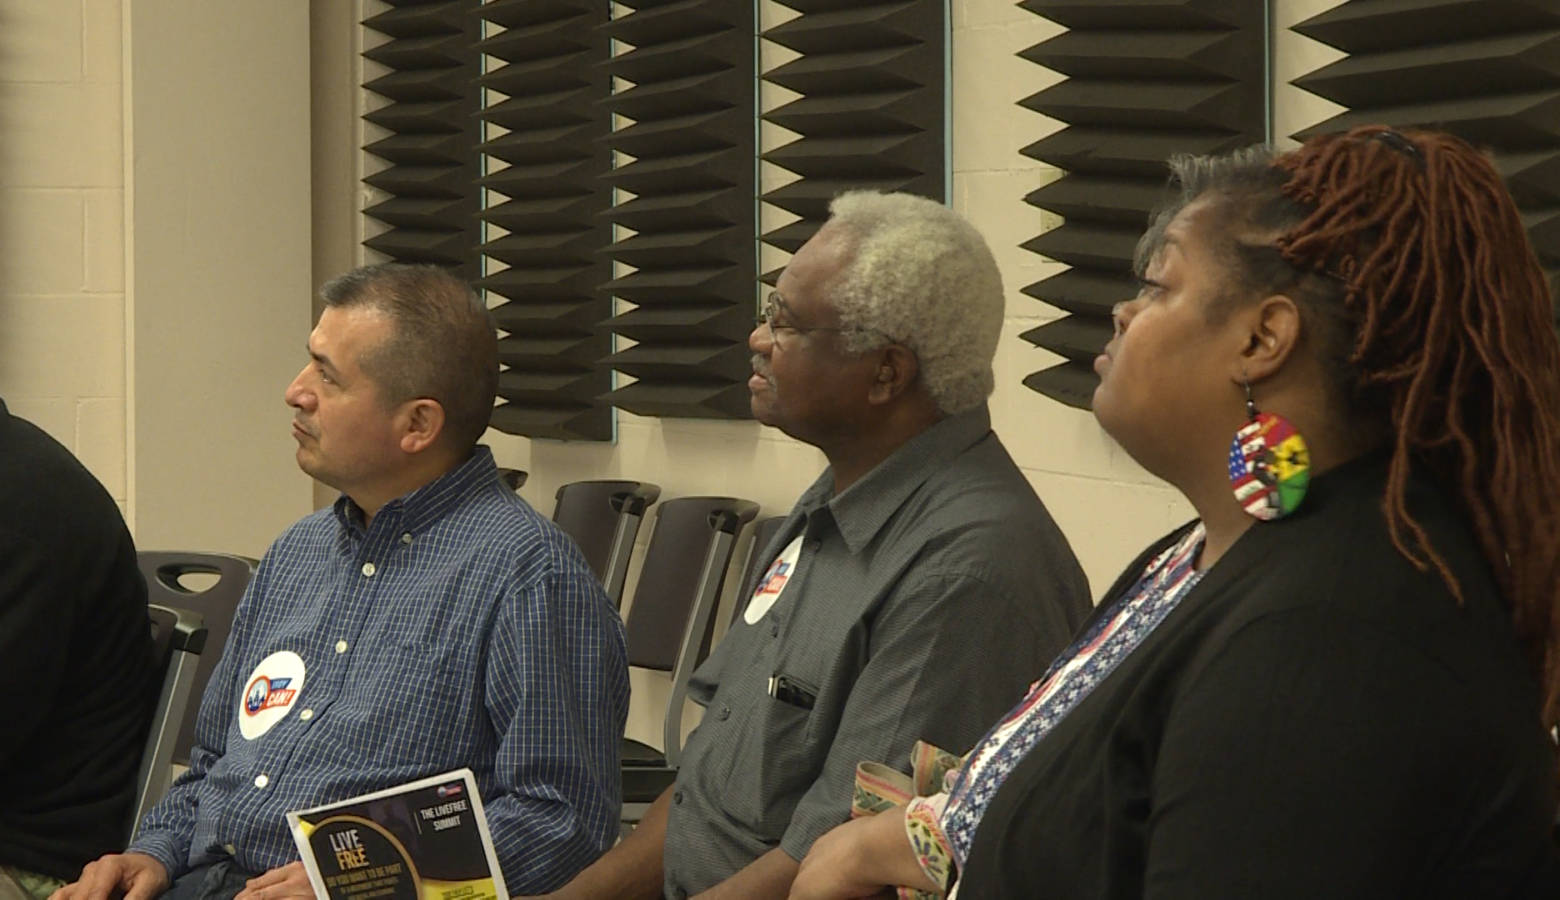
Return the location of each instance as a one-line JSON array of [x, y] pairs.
[[62, 284], [1076, 470], [1108, 506], [337, 130], [154, 252], [226, 241], [1293, 56], [218, 243]]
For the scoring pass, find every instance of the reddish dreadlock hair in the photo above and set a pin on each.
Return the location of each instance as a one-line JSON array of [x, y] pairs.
[[1414, 273]]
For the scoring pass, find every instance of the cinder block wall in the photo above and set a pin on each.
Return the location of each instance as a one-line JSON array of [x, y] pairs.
[[62, 276], [63, 248], [208, 262]]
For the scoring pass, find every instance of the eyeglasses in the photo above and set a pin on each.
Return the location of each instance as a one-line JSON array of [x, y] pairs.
[[772, 310]]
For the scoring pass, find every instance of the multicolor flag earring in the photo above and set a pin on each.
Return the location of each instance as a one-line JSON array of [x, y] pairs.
[[1270, 465]]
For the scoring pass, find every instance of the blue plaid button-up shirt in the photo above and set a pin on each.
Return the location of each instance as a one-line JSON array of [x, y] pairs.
[[459, 629]]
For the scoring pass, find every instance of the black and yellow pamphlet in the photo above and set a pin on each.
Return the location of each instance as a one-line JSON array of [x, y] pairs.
[[427, 840]]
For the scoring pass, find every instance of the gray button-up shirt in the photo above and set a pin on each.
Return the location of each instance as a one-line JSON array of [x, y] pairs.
[[928, 595]]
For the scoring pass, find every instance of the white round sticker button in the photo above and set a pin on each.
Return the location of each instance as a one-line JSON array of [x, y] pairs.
[[270, 693], [772, 585]]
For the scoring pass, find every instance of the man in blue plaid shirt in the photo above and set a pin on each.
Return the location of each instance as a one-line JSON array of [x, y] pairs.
[[429, 620]]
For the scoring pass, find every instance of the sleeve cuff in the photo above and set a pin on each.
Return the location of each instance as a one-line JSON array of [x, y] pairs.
[[161, 848], [927, 841]]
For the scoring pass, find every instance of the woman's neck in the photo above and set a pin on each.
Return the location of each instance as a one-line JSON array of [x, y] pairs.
[[1223, 524]]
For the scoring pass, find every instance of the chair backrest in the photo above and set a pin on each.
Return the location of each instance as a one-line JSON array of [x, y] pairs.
[[179, 639], [603, 518], [764, 532], [673, 613], [216, 603]]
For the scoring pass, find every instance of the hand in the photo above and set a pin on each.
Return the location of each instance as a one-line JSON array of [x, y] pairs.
[[289, 881], [839, 863], [141, 877]]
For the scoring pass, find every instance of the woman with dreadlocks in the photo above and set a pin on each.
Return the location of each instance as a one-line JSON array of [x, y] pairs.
[[1339, 680]]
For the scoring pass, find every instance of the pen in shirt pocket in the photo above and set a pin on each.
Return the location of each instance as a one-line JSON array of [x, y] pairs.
[[790, 691]]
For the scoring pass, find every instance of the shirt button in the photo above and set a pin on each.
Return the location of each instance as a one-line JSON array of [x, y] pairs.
[[774, 629], [261, 781], [724, 714], [230, 850], [306, 714], [406, 538], [341, 646], [677, 798], [368, 570]]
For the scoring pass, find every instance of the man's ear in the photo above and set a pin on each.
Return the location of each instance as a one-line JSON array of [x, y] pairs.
[[424, 422], [1270, 333], [897, 370]]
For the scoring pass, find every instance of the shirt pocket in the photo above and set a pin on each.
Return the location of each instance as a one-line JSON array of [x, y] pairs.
[[448, 702], [422, 704], [777, 760]]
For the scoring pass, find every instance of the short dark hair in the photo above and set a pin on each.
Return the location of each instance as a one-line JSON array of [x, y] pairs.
[[442, 342]]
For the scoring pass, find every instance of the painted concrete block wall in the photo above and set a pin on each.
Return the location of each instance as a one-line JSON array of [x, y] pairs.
[[63, 312], [1077, 471], [1109, 507], [219, 227], [223, 253], [62, 282], [1105, 503]]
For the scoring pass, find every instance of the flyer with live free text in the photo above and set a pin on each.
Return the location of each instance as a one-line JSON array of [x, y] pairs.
[[426, 840]]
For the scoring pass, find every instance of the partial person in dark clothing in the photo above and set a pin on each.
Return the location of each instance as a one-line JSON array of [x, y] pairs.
[[76, 662], [1336, 682]]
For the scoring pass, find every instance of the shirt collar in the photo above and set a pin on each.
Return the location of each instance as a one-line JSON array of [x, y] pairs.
[[419, 509], [864, 507]]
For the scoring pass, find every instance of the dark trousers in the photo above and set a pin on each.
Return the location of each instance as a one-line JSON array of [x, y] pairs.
[[212, 881]]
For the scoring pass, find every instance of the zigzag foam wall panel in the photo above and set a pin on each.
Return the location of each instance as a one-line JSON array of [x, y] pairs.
[[1145, 79], [685, 212], [545, 209]]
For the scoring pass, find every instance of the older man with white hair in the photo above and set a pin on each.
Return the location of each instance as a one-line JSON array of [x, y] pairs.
[[912, 591]]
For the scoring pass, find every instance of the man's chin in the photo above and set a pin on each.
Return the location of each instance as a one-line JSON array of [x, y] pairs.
[[308, 464], [762, 408]]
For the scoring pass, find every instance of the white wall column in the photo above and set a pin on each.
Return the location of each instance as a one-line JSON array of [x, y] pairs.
[[218, 267]]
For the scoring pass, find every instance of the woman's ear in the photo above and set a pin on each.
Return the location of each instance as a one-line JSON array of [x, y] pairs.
[[1272, 335]]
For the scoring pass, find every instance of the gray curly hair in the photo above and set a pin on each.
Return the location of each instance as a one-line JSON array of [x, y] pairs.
[[919, 275]]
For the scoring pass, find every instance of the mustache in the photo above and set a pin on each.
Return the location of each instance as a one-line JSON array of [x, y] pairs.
[[761, 366]]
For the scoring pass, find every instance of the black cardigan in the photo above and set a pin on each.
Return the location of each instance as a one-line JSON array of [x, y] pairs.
[[76, 661], [1316, 719]]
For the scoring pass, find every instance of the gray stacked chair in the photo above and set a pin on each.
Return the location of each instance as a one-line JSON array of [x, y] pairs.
[[671, 621], [178, 639], [760, 555], [603, 518], [165, 572]]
